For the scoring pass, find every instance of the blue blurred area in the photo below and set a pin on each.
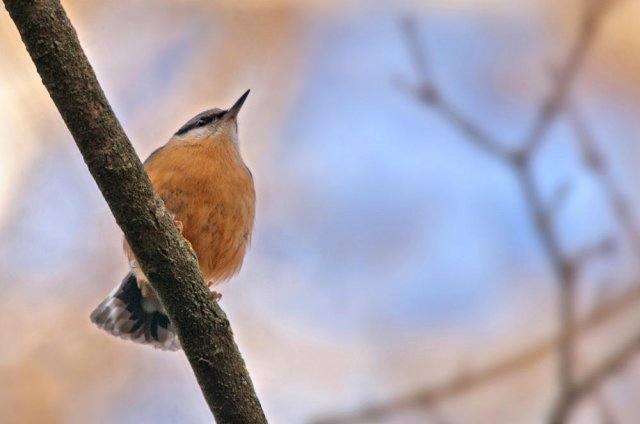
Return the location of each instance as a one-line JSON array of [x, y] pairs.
[[394, 207], [384, 239]]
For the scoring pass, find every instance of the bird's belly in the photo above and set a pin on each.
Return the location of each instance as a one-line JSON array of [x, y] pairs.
[[218, 225], [210, 191]]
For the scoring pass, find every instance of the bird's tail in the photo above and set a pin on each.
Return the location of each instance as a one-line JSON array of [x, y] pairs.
[[132, 315]]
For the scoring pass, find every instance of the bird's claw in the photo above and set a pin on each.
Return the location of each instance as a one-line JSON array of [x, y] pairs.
[[179, 225], [216, 296]]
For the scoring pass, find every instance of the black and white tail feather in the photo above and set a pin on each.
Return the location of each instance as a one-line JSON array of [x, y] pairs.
[[130, 315]]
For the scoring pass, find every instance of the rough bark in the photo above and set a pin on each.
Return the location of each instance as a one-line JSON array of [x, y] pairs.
[[202, 326]]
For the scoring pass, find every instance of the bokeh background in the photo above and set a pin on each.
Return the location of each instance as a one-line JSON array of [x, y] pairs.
[[389, 253]]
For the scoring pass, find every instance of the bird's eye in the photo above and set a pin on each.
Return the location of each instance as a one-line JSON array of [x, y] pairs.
[[201, 122]]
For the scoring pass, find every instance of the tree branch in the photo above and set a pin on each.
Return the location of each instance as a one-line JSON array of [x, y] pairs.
[[607, 415], [565, 269], [590, 382], [520, 161], [518, 361], [595, 161], [595, 10], [427, 93], [203, 328]]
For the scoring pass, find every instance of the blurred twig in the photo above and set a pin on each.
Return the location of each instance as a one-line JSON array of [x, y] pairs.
[[437, 417], [601, 248], [594, 378], [607, 415], [428, 94], [596, 162], [520, 360], [519, 161], [565, 269], [565, 75]]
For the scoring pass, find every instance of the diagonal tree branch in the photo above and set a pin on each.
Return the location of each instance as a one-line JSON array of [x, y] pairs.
[[203, 328]]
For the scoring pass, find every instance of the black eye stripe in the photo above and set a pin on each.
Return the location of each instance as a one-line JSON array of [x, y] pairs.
[[200, 121]]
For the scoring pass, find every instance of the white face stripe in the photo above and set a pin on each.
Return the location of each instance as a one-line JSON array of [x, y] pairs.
[[198, 133], [215, 129]]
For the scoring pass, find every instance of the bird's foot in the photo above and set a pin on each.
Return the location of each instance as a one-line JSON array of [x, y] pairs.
[[180, 227], [188, 244], [179, 224], [216, 296]]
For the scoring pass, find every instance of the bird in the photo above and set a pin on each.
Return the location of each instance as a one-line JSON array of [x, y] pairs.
[[205, 184]]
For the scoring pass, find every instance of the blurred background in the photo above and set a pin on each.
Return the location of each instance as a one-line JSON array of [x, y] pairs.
[[393, 261]]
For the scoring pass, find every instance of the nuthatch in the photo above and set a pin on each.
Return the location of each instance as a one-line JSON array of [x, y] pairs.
[[200, 176]]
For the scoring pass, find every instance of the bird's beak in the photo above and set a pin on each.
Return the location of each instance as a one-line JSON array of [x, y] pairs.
[[232, 113]]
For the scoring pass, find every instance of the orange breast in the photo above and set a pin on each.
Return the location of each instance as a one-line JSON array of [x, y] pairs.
[[210, 190]]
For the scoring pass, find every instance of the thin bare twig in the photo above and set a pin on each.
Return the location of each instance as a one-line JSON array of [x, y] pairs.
[[601, 248], [613, 363], [565, 75], [417, 50], [595, 161], [437, 417], [565, 269], [520, 360], [427, 93], [607, 415]]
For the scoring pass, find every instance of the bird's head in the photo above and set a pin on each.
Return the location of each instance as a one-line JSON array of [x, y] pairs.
[[215, 124]]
